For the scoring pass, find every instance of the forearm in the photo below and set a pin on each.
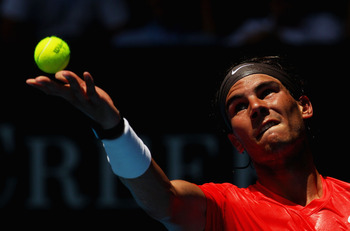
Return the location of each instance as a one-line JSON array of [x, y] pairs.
[[174, 203], [153, 192], [131, 160], [178, 204]]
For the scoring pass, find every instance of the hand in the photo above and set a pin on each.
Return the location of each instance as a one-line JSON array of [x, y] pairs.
[[83, 94]]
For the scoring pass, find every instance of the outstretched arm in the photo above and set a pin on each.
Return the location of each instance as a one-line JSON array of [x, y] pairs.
[[179, 205]]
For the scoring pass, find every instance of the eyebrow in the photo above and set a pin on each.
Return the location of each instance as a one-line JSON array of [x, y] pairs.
[[266, 84], [232, 99], [257, 89]]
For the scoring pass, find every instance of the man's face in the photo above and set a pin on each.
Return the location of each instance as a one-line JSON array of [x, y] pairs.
[[266, 120]]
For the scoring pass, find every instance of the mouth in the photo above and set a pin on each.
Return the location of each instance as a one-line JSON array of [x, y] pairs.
[[266, 126]]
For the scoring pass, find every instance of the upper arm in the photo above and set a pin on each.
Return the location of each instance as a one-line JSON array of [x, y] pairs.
[[188, 207], [178, 204]]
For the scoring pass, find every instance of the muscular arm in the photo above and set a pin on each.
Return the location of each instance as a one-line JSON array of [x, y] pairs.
[[179, 205]]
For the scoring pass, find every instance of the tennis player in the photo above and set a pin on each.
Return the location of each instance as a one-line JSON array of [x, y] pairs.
[[265, 111]]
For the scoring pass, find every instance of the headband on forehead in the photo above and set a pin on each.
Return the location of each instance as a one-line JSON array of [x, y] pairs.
[[246, 69]]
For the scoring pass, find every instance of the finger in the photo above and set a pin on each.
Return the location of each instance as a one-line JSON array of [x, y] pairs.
[[38, 80], [70, 76], [90, 86], [77, 85], [48, 86], [60, 77], [32, 82], [37, 84]]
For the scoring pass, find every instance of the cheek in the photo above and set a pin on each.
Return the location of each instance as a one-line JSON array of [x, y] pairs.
[[241, 128], [290, 112], [285, 104]]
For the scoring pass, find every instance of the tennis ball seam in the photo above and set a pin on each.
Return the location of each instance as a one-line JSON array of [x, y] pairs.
[[42, 50]]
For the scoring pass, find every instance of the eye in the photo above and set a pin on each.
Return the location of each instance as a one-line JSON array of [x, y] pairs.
[[240, 107], [234, 109], [267, 92]]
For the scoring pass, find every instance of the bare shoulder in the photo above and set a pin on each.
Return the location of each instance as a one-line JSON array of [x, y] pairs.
[[187, 189]]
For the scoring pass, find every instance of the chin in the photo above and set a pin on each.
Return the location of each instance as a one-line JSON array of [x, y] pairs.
[[276, 144], [273, 139]]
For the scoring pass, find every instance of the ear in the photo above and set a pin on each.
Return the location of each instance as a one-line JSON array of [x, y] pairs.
[[305, 107], [235, 142]]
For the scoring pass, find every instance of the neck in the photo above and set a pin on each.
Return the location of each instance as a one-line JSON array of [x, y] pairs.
[[295, 178]]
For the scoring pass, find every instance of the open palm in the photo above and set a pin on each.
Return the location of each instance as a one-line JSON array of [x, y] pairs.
[[83, 94]]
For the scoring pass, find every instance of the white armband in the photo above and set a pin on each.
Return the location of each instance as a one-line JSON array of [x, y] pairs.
[[128, 156]]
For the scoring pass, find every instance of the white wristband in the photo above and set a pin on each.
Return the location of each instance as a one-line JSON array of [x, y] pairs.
[[128, 156]]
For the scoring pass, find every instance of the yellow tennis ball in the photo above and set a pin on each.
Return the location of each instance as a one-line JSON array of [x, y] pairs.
[[52, 54]]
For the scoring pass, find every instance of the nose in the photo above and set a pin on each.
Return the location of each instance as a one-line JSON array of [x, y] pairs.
[[258, 108]]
